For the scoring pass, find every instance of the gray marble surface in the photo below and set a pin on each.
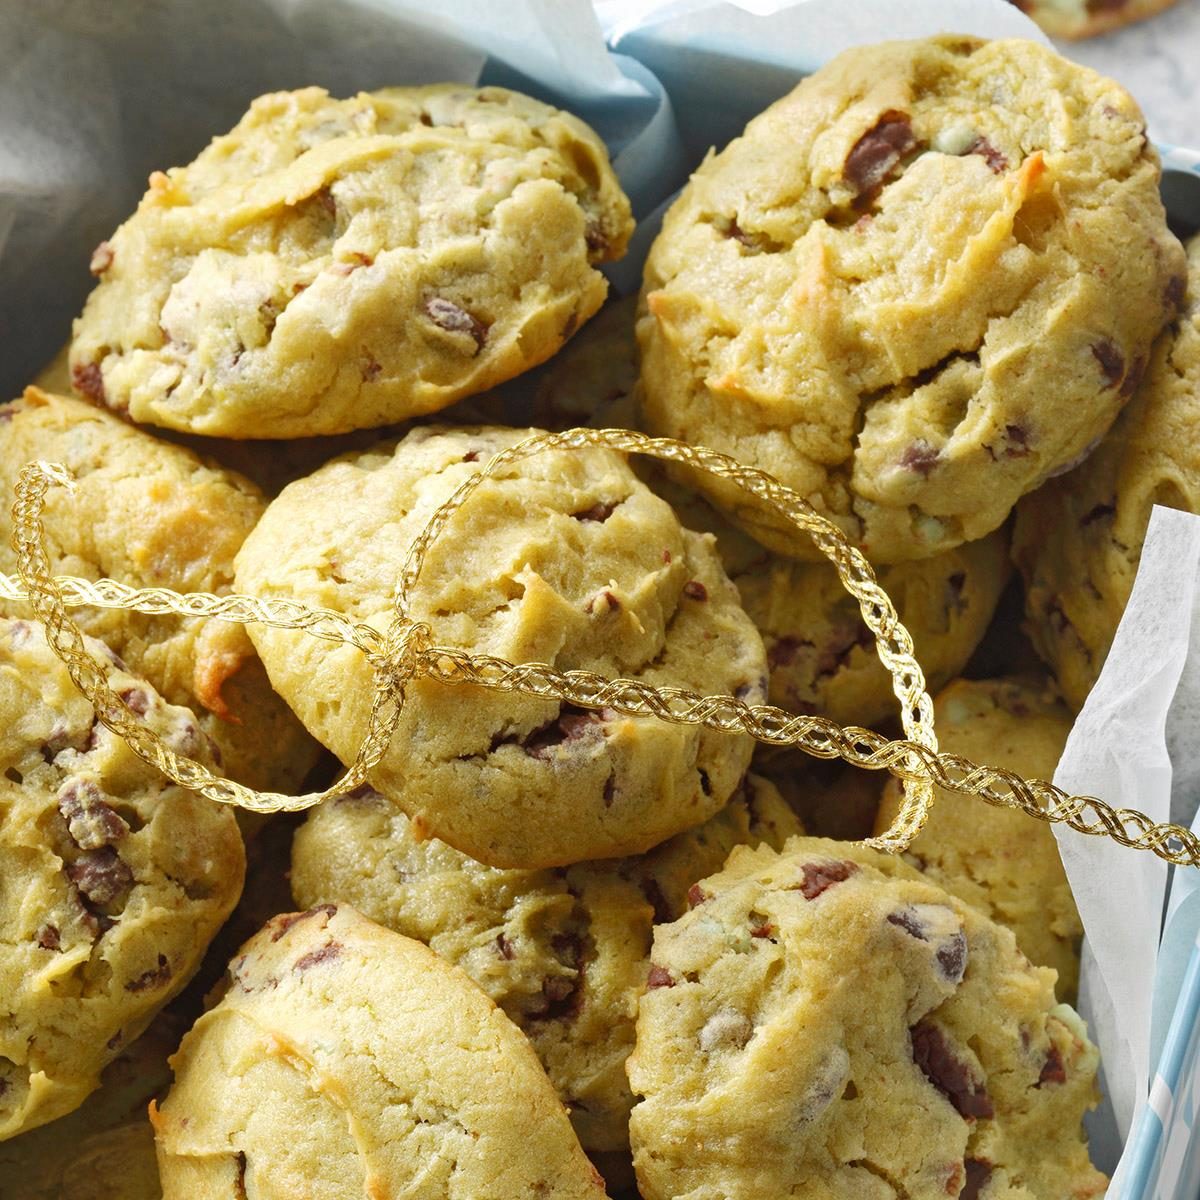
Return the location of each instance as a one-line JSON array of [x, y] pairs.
[[1158, 60]]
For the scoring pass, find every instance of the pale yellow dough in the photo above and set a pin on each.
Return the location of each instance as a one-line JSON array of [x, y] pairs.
[[331, 265]]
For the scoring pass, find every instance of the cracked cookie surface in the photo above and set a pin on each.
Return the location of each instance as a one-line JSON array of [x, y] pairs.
[[914, 289], [151, 514], [112, 879], [365, 1065], [563, 952], [331, 265], [1001, 861], [1078, 540], [814, 1004], [566, 558]]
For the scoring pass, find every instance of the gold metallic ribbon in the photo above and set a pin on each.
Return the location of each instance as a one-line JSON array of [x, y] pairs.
[[404, 651]]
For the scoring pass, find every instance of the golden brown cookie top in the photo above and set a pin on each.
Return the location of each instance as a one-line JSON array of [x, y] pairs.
[[914, 288], [366, 1065], [331, 265]]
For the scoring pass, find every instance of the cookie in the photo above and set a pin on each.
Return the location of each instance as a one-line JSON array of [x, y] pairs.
[[151, 514], [112, 878], [104, 1150], [331, 265], [825, 1022], [365, 1065], [833, 799], [594, 379], [566, 559], [1075, 19], [564, 953], [1078, 540], [913, 290], [820, 654], [1002, 862]]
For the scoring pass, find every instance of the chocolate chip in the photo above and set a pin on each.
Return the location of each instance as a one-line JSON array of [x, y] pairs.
[[240, 1181], [1173, 293], [935, 923], [1053, 1070], [695, 590], [370, 371], [87, 380], [1017, 437], [102, 258], [908, 920], [100, 875], [760, 927], [920, 457], [114, 1041], [570, 724], [599, 512], [820, 876], [666, 556], [996, 161], [285, 921], [1133, 377], [156, 977], [948, 1073], [471, 456], [783, 651], [136, 700], [505, 948], [978, 1172], [754, 242], [48, 937], [1096, 512], [658, 977], [90, 822], [596, 239], [445, 314], [835, 654], [1111, 360], [952, 956], [877, 153], [696, 895], [610, 791], [321, 954]]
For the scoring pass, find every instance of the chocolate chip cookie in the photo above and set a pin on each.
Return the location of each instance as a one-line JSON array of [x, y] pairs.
[[1000, 861], [112, 878], [913, 290], [1078, 540], [826, 1022], [564, 953], [566, 558], [104, 1150], [365, 1065], [1076, 19], [151, 514], [331, 265]]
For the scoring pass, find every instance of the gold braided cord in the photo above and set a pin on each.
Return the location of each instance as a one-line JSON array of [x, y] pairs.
[[404, 651]]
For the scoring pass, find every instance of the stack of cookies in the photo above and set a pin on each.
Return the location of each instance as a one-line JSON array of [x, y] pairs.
[[555, 951]]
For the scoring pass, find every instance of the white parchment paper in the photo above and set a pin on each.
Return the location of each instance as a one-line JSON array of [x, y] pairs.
[[94, 95]]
